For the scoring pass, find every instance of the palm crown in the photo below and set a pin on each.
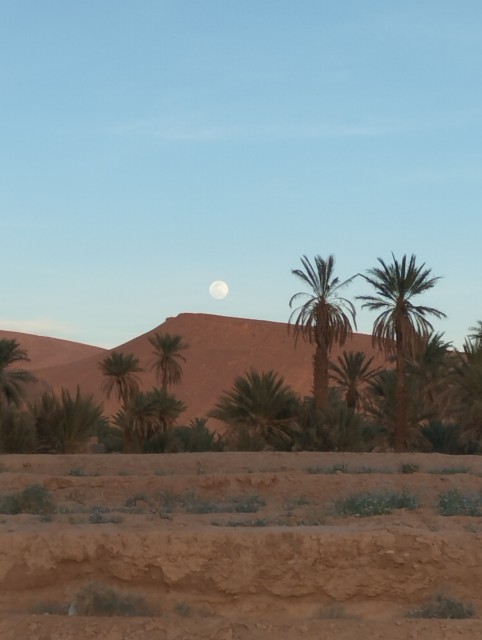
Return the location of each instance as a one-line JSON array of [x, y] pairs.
[[324, 317], [400, 321], [167, 357]]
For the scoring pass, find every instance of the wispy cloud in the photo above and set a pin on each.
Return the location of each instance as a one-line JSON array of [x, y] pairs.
[[278, 132], [189, 127], [37, 326]]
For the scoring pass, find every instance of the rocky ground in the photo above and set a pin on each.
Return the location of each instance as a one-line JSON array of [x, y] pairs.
[[239, 545]]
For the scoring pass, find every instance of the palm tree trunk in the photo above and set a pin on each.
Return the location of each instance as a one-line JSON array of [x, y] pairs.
[[320, 377], [401, 426]]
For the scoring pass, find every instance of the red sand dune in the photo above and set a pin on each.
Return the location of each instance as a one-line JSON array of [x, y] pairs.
[[220, 348], [50, 352]]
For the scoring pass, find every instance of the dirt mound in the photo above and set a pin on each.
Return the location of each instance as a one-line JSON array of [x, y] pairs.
[[236, 545]]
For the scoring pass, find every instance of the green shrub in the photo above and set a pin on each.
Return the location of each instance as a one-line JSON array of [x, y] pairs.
[[248, 504], [445, 471], [98, 600], [33, 499], [17, 431], [198, 437], [64, 423], [455, 503], [49, 608], [364, 505], [409, 467], [443, 607], [183, 609]]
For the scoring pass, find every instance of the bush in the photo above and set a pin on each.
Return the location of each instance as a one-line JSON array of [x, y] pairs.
[[17, 431], [64, 423], [33, 499], [455, 503], [98, 600], [443, 607], [364, 505], [197, 437], [409, 467]]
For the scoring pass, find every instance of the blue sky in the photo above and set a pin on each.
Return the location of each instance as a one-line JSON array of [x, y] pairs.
[[150, 147]]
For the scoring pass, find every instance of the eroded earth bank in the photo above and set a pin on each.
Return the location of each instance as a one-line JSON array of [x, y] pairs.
[[239, 545]]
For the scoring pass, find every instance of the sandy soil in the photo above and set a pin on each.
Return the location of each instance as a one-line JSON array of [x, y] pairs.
[[237, 546]]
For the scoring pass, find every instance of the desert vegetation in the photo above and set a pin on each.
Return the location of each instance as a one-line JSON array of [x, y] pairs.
[[426, 397]]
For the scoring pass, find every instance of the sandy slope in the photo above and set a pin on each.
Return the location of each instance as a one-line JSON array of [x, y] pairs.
[[50, 352], [170, 528], [220, 348]]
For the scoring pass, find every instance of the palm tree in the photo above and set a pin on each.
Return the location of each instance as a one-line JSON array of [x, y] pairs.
[[263, 404], [147, 414], [167, 357], [431, 366], [353, 372], [120, 371], [382, 407], [401, 328], [12, 380], [323, 319], [467, 387]]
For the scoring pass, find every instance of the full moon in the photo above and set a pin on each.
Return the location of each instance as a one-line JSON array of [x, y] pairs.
[[218, 289]]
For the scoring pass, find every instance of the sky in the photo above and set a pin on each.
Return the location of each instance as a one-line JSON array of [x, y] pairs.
[[151, 147]]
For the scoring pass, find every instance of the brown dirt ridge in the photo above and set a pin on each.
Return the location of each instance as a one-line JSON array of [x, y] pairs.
[[238, 545]]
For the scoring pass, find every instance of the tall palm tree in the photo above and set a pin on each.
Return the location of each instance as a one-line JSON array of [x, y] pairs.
[[466, 400], [401, 328], [324, 318], [263, 404], [382, 407], [432, 366], [351, 374], [120, 371], [167, 358], [13, 380]]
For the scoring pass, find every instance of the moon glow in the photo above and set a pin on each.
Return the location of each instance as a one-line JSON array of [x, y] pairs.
[[218, 289]]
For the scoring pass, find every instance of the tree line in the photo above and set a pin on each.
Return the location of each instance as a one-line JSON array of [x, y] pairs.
[[428, 397]]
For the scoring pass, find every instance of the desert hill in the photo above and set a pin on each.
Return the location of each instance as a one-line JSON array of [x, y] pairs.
[[220, 348], [47, 352]]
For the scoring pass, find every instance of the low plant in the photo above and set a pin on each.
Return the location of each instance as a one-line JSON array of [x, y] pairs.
[[297, 501], [445, 471], [409, 467], [248, 504], [51, 608], [258, 522], [336, 468], [333, 611], [344, 468], [441, 606], [167, 501], [183, 609], [33, 499], [363, 505], [100, 515], [455, 503], [99, 600], [77, 472]]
